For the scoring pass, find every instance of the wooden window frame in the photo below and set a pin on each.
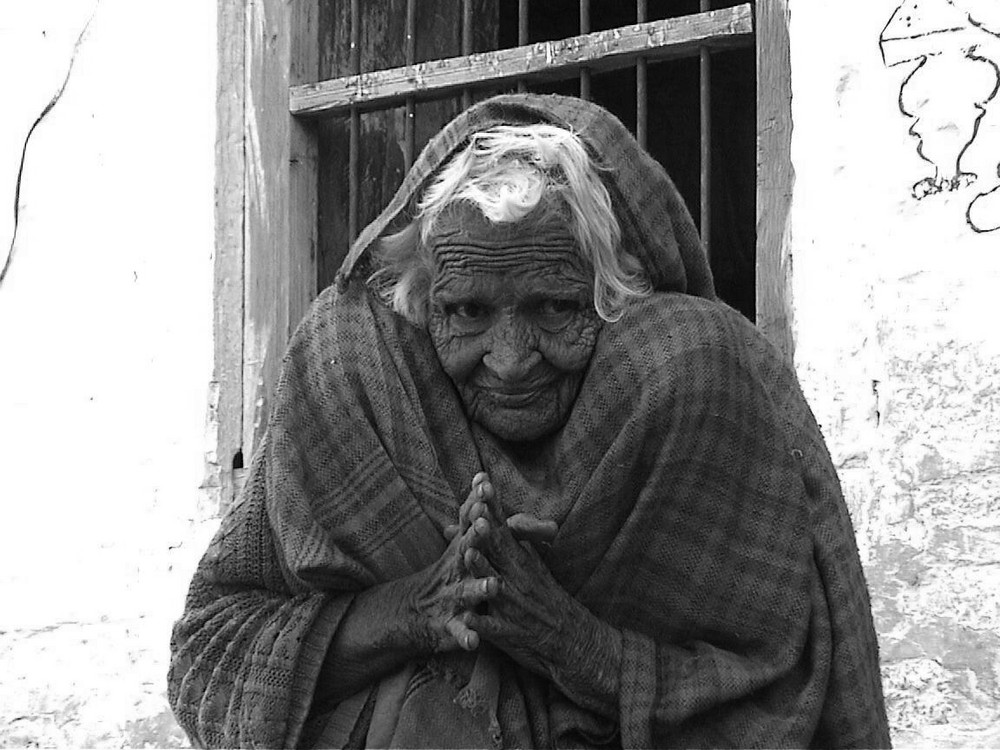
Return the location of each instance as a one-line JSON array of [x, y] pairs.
[[266, 207]]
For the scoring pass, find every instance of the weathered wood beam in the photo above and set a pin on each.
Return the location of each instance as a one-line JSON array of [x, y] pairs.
[[775, 175], [225, 418], [599, 51], [280, 187]]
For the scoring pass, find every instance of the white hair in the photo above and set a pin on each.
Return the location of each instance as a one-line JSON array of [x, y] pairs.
[[507, 172]]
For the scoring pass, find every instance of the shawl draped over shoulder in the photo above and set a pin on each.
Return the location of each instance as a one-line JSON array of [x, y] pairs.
[[698, 509]]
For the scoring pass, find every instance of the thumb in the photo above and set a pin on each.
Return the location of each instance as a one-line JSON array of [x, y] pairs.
[[527, 528]]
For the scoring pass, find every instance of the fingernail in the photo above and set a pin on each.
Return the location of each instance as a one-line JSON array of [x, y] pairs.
[[486, 488]]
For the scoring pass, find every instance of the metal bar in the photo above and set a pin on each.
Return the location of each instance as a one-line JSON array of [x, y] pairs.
[[584, 29], [641, 79], [522, 36], [409, 125], [705, 105], [466, 46], [611, 49], [354, 143]]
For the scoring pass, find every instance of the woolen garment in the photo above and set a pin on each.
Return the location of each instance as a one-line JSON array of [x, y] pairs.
[[698, 509]]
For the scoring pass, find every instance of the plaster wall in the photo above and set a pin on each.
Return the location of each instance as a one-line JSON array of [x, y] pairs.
[[895, 302], [105, 359]]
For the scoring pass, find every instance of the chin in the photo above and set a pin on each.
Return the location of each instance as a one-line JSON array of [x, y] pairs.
[[519, 426]]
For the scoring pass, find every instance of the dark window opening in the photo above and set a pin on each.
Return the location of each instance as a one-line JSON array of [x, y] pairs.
[[673, 124]]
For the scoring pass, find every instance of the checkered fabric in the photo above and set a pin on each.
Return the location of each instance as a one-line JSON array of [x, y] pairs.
[[698, 512]]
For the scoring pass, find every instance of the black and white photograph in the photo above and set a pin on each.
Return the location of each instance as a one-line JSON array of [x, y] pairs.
[[500, 374]]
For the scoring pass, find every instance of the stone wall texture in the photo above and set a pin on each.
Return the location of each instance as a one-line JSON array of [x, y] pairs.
[[895, 301], [105, 344]]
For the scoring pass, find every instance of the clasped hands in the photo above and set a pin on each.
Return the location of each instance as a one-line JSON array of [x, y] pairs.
[[491, 584]]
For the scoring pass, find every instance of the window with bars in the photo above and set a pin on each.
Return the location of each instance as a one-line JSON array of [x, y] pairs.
[[323, 105]]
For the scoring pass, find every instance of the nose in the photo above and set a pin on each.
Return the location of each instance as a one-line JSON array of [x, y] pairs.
[[513, 352]]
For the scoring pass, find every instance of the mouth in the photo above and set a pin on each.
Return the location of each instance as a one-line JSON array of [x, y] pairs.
[[512, 398]]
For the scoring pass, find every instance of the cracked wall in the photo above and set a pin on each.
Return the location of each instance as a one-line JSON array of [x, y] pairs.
[[105, 353], [895, 300]]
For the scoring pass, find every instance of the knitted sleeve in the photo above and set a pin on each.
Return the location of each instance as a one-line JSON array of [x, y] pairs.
[[247, 652]]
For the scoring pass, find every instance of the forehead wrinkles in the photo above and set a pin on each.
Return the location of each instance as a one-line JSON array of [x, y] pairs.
[[544, 255]]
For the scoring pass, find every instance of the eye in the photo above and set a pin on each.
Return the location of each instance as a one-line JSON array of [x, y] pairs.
[[558, 306], [467, 317], [469, 310], [554, 313]]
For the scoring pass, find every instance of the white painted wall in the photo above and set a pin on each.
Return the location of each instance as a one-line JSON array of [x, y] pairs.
[[896, 302], [105, 357]]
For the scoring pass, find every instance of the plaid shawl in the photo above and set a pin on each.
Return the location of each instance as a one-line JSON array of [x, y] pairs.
[[698, 512]]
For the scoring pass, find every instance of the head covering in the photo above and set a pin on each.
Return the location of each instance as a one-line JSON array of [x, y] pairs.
[[656, 225]]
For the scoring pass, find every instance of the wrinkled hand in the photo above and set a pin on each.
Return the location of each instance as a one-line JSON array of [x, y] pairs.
[[531, 617], [444, 596], [524, 527]]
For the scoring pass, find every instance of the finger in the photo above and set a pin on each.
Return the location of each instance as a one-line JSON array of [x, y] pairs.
[[486, 490], [500, 547], [476, 537], [466, 638], [492, 502], [478, 510], [463, 511], [475, 495], [476, 591], [480, 530], [527, 528], [486, 626], [479, 565]]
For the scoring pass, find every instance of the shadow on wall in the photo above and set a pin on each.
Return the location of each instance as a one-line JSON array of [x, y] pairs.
[[950, 94]]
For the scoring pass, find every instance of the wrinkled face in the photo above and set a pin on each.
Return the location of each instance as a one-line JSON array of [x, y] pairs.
[[512, 318]]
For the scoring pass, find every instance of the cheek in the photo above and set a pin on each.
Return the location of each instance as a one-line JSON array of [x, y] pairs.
[[459, 355], [570, 350]]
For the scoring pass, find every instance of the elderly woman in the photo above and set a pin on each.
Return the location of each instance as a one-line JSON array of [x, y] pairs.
[[526, 483]]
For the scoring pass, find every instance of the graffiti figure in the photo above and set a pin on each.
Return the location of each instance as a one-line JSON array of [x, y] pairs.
[[955, 45]]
